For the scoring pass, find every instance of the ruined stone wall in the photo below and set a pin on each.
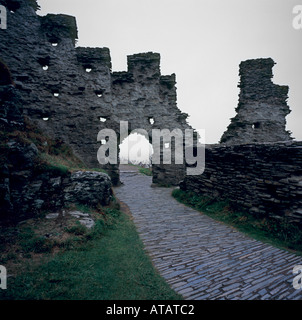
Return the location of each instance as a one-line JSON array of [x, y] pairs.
[[262, 106], [257, 167], [264, 179], [71, 88], [28, 186]]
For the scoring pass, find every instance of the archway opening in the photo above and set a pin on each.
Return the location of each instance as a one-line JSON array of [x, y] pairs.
[[136, 150]]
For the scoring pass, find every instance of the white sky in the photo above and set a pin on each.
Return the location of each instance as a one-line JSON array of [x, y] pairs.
[[202, 42], [136, 149]]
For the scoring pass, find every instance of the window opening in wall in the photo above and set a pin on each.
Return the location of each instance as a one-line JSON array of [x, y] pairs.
[[88, 70], [44, 62], [45, 118], [151, 120], [13, 6], [56, 94], [167, 145], [102, 119], [99, 93], [256, 125], [103, 141], [54, 44]]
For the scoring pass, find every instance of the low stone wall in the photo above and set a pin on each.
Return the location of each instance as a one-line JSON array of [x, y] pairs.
[[263, 179]]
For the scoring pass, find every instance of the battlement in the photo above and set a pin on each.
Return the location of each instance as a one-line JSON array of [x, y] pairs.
[[59, 26], [91, 57], [260, 69], [142, 62]]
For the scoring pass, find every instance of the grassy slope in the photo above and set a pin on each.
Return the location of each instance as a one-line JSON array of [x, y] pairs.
[[113, 266]]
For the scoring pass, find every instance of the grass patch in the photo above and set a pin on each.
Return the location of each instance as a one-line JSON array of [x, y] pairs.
[[145, 171], [279, 233], [105, 263]]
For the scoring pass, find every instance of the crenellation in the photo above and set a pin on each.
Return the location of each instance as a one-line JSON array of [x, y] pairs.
[[122, 77], [59, 26], [94, 58], [144, 64]]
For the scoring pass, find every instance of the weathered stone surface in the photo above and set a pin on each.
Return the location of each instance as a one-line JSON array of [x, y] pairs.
[[11, 111], [262, 106], [88, 187], [263, 179], [84, 218], [26, 187]]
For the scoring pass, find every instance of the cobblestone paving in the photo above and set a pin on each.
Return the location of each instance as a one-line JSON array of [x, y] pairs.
[[201, 258]]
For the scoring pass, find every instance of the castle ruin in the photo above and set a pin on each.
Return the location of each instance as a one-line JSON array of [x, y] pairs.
[[71, 93]]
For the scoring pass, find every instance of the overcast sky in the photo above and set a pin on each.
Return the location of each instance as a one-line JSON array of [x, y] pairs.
[[202, 42]]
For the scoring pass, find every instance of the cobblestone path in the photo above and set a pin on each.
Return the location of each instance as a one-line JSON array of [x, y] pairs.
[[201, 258]]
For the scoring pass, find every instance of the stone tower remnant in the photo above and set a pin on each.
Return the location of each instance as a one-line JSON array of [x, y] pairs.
[[262, 106]]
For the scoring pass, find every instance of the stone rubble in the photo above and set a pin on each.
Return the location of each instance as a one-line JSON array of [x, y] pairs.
[[84, 218]]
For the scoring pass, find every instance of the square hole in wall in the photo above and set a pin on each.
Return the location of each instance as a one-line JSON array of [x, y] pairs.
[[256, 125], [99, 93], [151, 120], [44, 62], [87, 68], [102, 119]]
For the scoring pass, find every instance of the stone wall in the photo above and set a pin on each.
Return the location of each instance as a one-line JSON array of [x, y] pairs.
[[262, 106], [72, 88], [28, 186], [257, 166], [264, 179]]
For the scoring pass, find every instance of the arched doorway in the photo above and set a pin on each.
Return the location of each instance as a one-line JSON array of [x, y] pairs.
[[136, 150]]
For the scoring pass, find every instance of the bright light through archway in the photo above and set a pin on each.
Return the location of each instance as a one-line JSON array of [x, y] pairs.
[[137, 149]]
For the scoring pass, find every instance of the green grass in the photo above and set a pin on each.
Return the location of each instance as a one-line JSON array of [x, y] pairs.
[[110, 264], [145, 171], [279, 233]]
